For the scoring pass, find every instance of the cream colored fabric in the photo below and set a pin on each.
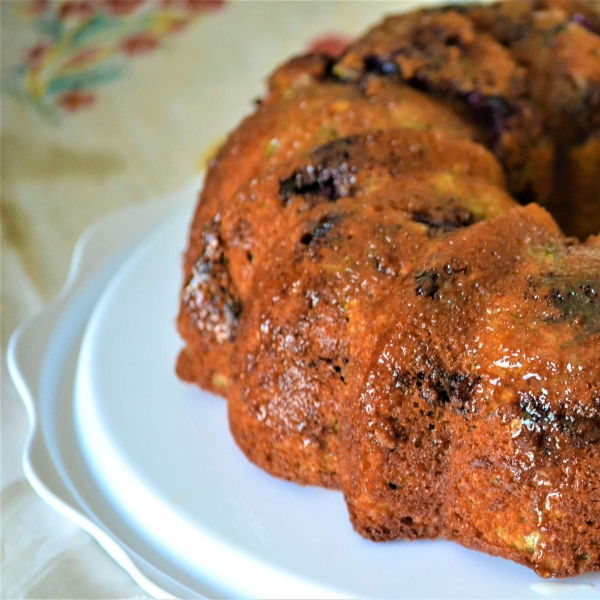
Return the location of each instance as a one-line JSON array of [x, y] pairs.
[[144, 133], [46, 556]]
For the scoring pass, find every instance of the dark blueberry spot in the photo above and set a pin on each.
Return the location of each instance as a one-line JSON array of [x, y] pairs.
[[589, 291], [379, 65], [427, 283], [493, 113], [233, 309], [527, 195], [287, 187], [324, 226], [407, 520], [458, 387], [446, 221], [453, 40], [320, 230], [330, 178], [538, 418], [442, 395], [585, 431], [306, 238], [496, 107], [421, 217], [577, 303], [586, 23], [392, 486], [421, 82], [324, 185], [439, 387]]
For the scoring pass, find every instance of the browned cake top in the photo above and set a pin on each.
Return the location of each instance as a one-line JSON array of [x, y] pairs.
[[381, 313]]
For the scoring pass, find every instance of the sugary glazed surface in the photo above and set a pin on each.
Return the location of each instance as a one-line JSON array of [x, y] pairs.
[[372, 283]]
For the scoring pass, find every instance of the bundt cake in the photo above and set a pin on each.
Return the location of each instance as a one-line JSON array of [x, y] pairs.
[[376, 281]]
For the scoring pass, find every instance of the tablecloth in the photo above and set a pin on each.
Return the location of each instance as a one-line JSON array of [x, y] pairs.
[[105, 104]]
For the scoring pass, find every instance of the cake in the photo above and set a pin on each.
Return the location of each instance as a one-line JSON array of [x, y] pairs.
[[393, 277]]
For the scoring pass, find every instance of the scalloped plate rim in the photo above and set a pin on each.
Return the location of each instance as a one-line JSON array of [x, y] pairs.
[[91, 252]]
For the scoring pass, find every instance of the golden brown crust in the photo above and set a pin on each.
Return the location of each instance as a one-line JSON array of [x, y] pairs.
[[272, 136], [380, 313], [491, 401], [310, 302]]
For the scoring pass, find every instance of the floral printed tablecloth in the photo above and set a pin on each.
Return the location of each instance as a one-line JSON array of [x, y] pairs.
[[105, 104]]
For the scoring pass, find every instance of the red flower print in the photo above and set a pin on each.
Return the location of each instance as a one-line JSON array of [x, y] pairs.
[[83, 57], [38, 7], [76, 99], [139, 43], [36, 55], [195, 5], [204, 5], [78, 10], [122, 7], [178, 25], [331, 44]]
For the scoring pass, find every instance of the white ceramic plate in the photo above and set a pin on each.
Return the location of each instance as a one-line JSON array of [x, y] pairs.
[[148, 466]]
